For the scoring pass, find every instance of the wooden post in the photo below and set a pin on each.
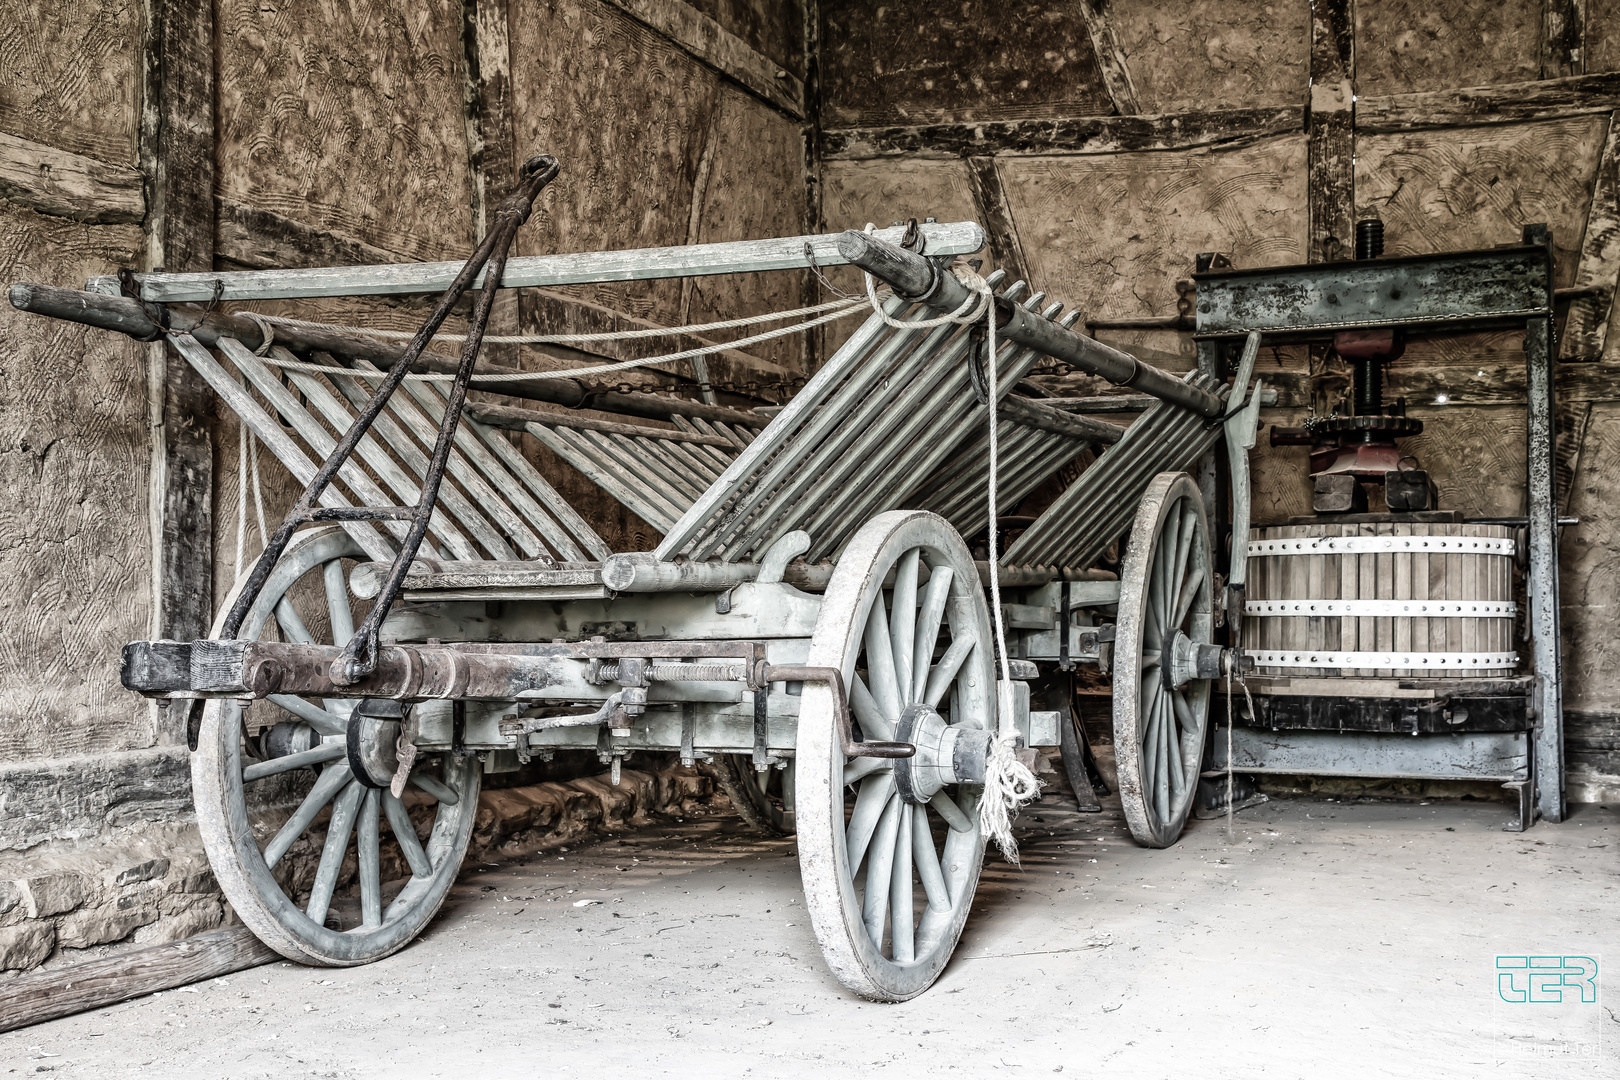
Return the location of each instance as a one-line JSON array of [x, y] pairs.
[[813, 218], [1116, 73], [93, 984], [491, 155], [996, 217], [177, 159], [1331, 127], [1563, 38]]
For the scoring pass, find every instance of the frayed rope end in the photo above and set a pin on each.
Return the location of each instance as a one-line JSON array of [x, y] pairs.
[[1009, 785]]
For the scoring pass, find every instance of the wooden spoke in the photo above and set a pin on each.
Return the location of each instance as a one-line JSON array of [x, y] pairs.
[[927, 860], [1161, 773], [338, 828], [945, 672], [880, 671], [399, 819], [1150, 659], [317, 717], [879, 869], [954, 815], [1150, 734], [331, 781], [1184, 715], [865, 766], [292, 623], [1184, 543], [870, 803], [1174, 770], [315, 756], [903, 621], [368, 849], [928, 620], [1189, 593], [903, 944], [337, 603], [874, 724], [434, 788]]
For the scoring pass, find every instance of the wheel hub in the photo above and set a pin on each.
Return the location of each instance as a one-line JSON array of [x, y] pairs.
[[945, 754], [373, 742], [1187, 660]]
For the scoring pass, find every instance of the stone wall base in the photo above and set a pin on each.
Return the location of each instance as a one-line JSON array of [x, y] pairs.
[[148, 884]]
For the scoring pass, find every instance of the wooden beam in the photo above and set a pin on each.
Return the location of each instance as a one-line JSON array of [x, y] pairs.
[[1330, 156], [712, 44], [94, 984], [580, 268], [1064, 135], [1465, 386], [990, 198], [505, 416], [264, 240], [69, 185], [1587, 326], [1563, 33], [1116, 74], [176, 151], [1474, 106]]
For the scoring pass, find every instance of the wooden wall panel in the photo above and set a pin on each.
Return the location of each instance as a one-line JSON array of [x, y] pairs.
[[1602, 51], [1191, 57], [1114, 233], [756, 167], [75, 556], [68, 75], [1477, 187], [912, 62], [349, 118], [1404, 45], [627, 115]]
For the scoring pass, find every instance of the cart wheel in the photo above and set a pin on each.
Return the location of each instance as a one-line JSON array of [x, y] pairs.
[[307, 590], [889, 865], [1160, 714], [763, 800]]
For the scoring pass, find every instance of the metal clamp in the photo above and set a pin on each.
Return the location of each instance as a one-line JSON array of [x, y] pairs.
[[769, 673]]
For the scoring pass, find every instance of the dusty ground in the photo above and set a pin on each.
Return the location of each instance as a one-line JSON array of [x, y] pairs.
[[1325, 939]]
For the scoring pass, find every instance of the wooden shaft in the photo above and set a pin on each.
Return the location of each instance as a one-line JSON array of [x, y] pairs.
[[504, 416], [126, 316], [1038, 415], [915, 278]]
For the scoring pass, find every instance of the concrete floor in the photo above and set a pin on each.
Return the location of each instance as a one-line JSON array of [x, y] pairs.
[[1323, 939]]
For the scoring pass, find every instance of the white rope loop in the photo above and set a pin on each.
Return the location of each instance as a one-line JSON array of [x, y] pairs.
[[843, 310]]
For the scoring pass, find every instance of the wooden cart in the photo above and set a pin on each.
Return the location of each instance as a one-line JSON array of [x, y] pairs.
[[812, 620]]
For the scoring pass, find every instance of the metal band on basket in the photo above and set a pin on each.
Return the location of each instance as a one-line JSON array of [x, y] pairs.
[[1448, 661], [1345, 545], [1414, 609]]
